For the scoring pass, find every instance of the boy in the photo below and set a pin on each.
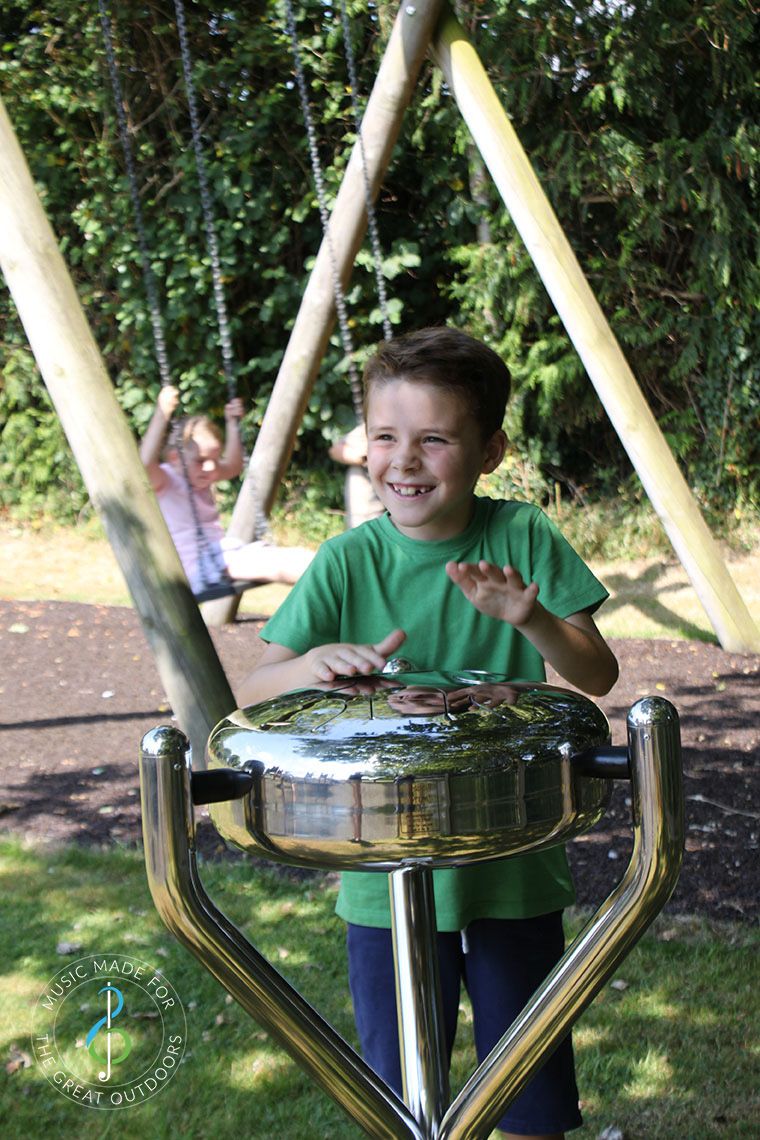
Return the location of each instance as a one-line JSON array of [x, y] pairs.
[[186, 499], [456, 579]]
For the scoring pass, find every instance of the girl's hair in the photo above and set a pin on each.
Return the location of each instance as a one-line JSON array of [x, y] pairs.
[[184, 431], [451, 360]]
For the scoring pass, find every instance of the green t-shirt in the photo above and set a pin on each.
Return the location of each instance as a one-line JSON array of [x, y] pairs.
[[373, 579]]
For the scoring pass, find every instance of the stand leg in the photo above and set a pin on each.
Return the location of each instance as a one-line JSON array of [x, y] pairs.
[[654, 746], [169, 837], [424, 1061]]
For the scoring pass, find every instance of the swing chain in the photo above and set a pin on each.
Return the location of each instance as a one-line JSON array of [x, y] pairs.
[[154, 306], [374, 235], [207, 552], [261, 522], [319, 184], [207, 207]]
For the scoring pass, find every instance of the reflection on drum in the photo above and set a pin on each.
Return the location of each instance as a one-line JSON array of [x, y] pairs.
[[447, 767]]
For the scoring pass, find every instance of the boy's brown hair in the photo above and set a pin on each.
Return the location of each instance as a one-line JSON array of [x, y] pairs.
[[449, 359]]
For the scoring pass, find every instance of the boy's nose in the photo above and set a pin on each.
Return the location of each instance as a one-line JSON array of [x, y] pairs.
[[208, 465], [406, 458]]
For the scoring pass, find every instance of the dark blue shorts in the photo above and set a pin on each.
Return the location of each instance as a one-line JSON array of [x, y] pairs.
[[506, 960]]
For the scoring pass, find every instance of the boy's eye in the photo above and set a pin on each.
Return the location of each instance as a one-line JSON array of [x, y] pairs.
[[435, 439]]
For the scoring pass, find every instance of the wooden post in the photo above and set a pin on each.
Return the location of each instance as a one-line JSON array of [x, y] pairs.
[[105, 451], [393, 88], [594, 340]]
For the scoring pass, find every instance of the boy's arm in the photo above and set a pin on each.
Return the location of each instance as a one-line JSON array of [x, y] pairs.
[[575, 648], [281, 669], [231, 463], [153, 441], [573, 645]]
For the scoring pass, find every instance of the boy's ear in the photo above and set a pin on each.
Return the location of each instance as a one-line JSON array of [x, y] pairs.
[[494, 452]]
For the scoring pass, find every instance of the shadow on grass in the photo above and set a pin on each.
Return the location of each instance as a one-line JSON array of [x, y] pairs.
[[625, 592], [671, 1052]]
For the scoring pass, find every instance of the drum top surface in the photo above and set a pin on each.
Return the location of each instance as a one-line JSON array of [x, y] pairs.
[[413, 724]]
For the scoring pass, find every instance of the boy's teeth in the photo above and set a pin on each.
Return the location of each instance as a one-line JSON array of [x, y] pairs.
[[410, 492]]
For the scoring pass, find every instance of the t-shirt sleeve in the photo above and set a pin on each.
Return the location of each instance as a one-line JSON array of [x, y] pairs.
[[310, 614], [566, 585]]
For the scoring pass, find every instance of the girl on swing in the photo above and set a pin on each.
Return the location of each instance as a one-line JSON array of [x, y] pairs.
[[185, 496]]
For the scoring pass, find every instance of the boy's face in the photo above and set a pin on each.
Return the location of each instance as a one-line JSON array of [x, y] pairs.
[[425, 453], [202, 454]]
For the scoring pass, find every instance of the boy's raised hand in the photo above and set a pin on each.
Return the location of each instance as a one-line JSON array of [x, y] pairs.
[[500, 593], [343, 659]]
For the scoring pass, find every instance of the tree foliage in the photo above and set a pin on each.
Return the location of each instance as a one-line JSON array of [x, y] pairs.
[[640, 118]]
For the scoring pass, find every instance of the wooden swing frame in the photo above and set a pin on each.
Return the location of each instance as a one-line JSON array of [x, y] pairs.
[[103, 445], [431, 25]]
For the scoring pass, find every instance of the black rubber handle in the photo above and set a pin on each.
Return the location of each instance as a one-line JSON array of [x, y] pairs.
[[219, 784], [607, 762]]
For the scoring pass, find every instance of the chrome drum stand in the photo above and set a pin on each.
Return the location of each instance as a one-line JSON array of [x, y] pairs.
[[354, 779]]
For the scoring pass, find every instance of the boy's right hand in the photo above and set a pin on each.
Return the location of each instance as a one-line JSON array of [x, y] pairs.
[[168, 398], [343, 659]]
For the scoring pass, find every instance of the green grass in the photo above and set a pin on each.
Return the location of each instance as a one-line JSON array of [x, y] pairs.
[[672, 1054]]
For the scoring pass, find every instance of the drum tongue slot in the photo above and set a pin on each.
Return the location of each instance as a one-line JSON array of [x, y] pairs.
[[606, 762], [219, 784]]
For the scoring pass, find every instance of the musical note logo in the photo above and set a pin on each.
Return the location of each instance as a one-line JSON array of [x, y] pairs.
[[104, 1023]]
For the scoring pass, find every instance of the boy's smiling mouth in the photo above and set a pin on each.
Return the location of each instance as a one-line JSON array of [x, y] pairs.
[[410, 490]]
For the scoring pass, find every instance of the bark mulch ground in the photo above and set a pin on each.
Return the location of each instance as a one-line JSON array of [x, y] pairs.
[[78, 688]]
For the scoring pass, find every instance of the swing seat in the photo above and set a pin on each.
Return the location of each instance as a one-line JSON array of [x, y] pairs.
[[226, 588]]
